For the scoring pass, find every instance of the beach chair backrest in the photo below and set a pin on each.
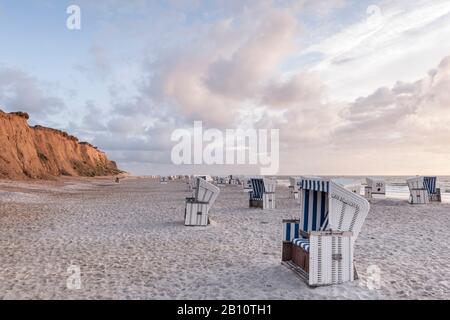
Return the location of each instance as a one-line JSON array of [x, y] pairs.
[[257, 188], [378, 185], [415, 183], [206, 192], [314, 205], [292, 182], [347, 210], [430, 184], [269, 185]]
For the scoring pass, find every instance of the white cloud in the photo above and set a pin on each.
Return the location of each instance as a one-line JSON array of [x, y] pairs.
[[20, 91], [400, 42]]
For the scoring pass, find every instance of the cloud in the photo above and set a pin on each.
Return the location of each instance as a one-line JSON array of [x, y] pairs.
[[230, 64], [377, 50], [410, 116], [20, 91]]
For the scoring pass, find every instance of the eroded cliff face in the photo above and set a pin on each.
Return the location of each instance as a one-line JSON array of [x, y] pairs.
[[42, 153]]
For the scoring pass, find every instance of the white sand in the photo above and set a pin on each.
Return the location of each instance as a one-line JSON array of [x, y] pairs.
[[130, 243]]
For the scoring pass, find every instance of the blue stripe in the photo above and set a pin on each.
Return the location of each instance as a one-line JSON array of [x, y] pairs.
[[314, 221], [430, 184], [288, 231], [322, 208], [296, 230], [306, 211], [258, 189]]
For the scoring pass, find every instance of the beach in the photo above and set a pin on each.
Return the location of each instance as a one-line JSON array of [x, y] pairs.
[[129, 241]]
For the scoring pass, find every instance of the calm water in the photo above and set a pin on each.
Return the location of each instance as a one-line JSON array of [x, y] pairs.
[[396, 187]]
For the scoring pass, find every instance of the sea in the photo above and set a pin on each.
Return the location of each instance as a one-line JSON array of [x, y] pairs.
[[396, 187]]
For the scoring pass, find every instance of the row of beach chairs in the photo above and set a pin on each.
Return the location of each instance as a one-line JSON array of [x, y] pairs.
[[318, 247]]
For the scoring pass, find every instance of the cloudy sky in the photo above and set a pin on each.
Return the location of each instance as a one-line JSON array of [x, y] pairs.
[[355, 87]]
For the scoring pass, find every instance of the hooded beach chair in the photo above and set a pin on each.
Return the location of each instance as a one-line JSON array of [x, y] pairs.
[[221, 181], [294, 185], [423, 190], [247, 185], [263, 193], [375, 187], [197, 207], [319, 247], [163, 180]]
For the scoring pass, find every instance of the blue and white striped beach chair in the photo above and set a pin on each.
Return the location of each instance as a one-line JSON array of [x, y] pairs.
[[319, 246], [423, 190], [262, 194], [163, 180]]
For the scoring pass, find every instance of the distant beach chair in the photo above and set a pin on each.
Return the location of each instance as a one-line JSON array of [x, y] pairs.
[[247, 184], [187, 180], [117, 180], [197, 207], [375, 187], [163, 180], [294, 187], [319, 247], [221, 181], [263, 193], [423, 190]]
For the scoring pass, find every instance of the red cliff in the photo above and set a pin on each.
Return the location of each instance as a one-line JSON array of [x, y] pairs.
[[42, 153]]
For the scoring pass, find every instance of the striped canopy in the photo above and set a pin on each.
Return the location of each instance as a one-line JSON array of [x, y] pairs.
[[315, 184], [257, 188], [430, 184]]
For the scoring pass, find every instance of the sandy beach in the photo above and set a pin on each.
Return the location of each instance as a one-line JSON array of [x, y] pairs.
[[129, 242]]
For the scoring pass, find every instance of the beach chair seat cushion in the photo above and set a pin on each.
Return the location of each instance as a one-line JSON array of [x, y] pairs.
[[302, 243]]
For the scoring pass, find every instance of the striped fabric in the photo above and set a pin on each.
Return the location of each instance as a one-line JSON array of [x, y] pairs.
[[302, 243], [430, 184], [314, 210], [291, 231], [316, 185], [257, 189]]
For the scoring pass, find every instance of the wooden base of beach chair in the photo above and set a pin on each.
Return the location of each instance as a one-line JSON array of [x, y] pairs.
[[255, 203], [436, 197], [300, 258], [286, 254]]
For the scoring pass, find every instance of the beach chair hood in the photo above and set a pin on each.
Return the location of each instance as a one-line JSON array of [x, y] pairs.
[[206, 192]]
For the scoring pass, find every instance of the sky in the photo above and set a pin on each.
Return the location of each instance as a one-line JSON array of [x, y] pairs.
[[354, 87]]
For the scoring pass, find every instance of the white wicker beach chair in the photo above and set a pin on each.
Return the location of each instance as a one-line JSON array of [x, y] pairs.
[[197, 207], [423, 190], [319, 246]]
